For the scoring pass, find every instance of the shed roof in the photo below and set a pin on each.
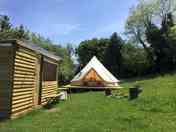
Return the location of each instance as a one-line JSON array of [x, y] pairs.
[[32, 46]]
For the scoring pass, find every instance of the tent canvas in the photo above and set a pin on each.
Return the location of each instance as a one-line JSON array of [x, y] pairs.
[[94, 74]]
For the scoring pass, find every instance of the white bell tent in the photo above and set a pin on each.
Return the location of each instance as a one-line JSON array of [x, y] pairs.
[[94, 74]]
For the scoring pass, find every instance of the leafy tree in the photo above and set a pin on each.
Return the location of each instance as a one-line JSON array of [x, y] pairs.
[[89, 48], [113, 54], [5, 24], [134, 61], [149, 24], [137, 23]]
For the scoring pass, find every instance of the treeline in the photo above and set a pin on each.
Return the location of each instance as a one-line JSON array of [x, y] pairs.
[[123, 59], [66, 66], [150, 46]]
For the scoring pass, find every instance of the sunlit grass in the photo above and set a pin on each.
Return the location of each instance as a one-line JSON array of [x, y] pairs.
[[153, 111]]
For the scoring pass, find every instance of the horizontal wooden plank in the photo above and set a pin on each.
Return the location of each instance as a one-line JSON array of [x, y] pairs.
[[23, 86], [23, 77], [48, 82], [25, 58], [22, 104], [24, 66], [22, 69], [50, 91], [24, 62], [22, 97], [47, 94], [22, 93], [21, 100], [52, 88], [29, 83], [20, 112], [24, 80], [52, 85], [46, 89], [27, 51], [23, 73], [26, 55], [20, 57], [23, 89], [22, 108]]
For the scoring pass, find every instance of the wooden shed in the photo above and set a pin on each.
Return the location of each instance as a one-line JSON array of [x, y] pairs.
[[28, 74]]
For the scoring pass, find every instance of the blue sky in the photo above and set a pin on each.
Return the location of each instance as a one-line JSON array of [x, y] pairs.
[[69, 21]]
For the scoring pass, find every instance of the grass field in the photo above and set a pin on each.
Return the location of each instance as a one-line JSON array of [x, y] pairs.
[[153, 111]]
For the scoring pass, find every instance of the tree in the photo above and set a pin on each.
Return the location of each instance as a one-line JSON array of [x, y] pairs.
[[134, 61], [113, 54], [21, 33], [5, 24], [137, 23], [89, 48], [150, 23]]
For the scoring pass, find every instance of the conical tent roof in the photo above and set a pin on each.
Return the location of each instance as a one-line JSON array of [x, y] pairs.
[[95, 64]]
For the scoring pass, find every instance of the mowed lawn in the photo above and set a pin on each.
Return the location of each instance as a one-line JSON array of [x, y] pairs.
[[153, 111]]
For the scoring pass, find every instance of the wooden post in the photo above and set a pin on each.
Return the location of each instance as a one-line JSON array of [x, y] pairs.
[[40, 80], [37, 82]]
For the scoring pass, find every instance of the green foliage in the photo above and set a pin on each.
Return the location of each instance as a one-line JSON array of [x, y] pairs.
[[121, 58], [113, 51], [103, 49], [66, 67], [5, 24], [135, 61], [89, 48], [150, 24]]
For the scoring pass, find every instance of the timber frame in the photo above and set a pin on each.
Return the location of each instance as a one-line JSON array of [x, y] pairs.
[[22, 85]]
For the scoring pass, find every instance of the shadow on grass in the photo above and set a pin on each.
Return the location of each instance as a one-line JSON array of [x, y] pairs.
[[51, 104]]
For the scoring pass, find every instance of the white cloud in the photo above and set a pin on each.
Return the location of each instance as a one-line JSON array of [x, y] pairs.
[[56, 29], [65, 29], [3, 12], [107, 30], [2, 7], [103, 31]]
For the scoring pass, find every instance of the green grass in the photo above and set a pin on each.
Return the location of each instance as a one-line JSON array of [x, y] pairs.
[[153, 111]]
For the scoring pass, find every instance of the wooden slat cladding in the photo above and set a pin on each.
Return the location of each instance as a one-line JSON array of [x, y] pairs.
[[6, 67], [23, 81], [48, 88]]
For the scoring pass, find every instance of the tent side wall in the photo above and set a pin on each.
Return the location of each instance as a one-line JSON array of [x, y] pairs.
[[24, 81], [49, 78], [6, 78]]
